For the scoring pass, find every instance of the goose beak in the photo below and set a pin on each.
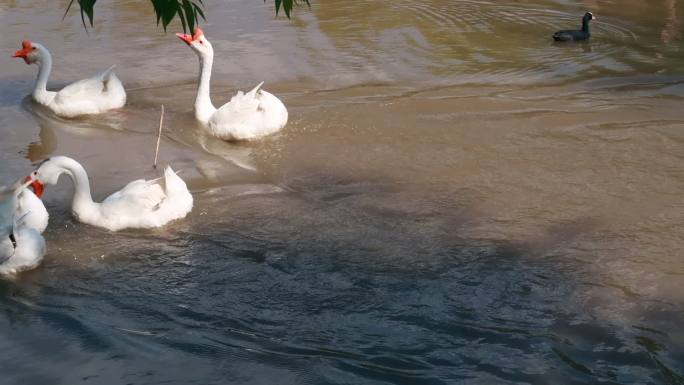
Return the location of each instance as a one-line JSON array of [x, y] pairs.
[[186, 38], [24, 51], [21, 53], [38, 188]]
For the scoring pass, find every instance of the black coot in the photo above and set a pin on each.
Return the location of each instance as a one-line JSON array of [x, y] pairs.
[[574, 34]]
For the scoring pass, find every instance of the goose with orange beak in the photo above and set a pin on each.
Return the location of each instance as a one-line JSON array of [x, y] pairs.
[[94, 95], [31, 207], [18, 201], [139, 204], [247, 116]]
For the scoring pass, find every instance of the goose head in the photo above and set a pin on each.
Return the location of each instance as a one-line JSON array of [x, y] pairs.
[[197, 42], [46, 174], [31, 52]]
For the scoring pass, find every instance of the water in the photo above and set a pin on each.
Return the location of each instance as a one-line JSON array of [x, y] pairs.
[[456, 199]]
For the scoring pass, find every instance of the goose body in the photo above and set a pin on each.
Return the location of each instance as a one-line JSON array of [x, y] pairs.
[[32, 210], [94, 95], [23, 218], [574, 34], [246, 116], [23, 250], [140, 204], [17, 202]]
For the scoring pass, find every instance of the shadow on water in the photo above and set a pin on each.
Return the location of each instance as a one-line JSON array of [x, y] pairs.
[[340, 274], [336, 280]]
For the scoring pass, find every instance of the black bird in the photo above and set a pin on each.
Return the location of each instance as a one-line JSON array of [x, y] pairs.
[[574, 34]]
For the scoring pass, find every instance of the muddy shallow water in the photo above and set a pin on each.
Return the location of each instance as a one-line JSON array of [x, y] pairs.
[[456, 199]]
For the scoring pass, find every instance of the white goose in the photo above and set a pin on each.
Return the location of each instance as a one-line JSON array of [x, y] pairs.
[[23, 248], [247, 116], [18, 201], [21, 245], [140, 204], [94, 95]]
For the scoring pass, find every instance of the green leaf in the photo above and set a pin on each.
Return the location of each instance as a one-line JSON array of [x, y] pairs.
[[287, 7], [158, 6], [188, 11], [182, 19], [169, 12], [87, 7], [189, 15], [198, 9]]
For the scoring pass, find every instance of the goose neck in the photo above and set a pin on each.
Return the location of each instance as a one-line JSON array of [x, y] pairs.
[[40, 92], [82, 201], [204, 108]]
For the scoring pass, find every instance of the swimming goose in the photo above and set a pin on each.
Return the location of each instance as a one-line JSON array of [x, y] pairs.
[[140, 204], [22, 247], [18, 201], [93, 95], [250, 115]]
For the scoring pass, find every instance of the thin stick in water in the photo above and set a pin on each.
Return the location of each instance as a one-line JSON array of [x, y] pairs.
[[161, 123]]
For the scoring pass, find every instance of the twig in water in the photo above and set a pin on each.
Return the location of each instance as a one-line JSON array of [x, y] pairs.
[[161, 123]]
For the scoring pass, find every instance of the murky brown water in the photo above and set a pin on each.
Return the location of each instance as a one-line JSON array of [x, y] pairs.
[[455, 198]]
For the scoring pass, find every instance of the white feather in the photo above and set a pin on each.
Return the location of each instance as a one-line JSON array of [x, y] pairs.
[[24, 216]]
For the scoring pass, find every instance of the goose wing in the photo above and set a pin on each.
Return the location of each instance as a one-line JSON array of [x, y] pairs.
[[138, 195], [86, 88], [240, 108]]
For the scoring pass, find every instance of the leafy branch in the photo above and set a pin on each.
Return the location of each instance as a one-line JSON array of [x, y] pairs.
[[287, 5], [188, 11]]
